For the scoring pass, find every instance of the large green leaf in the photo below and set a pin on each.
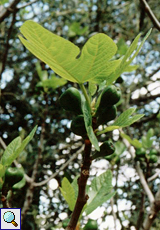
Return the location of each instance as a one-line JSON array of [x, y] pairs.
[[61, 55], [68, 193], [100, 191], [15, 148]]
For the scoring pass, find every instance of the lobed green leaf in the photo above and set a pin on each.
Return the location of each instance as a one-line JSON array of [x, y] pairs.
[[62, 56]]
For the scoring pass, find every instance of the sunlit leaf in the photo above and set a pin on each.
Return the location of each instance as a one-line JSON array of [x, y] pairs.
[[61, 55], [131, 53]]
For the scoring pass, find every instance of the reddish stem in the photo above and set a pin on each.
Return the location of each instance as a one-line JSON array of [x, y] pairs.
[[82, 181]]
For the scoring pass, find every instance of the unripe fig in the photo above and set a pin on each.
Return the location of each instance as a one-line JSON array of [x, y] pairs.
[[91, 225], [153, 152], [106, 115], [110, 96], [70, 100], [153, 159], [78, 126], [13, 176], [119, 80], [140, 152], [106, 149]]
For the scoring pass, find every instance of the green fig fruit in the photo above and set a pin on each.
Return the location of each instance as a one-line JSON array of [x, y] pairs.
[[12, 176], [106, 115], [106, 149], [70, 100], [110, 96], [91, 225], [78, 126]]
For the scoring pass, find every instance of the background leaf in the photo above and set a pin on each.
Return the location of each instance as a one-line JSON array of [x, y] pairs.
[[10, 151], [15, 148], [133, 142], [68, 193], [100, 191]]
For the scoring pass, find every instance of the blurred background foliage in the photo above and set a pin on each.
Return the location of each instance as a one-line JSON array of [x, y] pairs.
[[25, 102]]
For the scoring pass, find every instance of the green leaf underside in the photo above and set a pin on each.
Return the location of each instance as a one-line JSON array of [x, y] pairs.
[[100, 191], [125, 118], [131, 53], [88, 125], [54, 82], [68, 193], [61, 55], [15, 148]]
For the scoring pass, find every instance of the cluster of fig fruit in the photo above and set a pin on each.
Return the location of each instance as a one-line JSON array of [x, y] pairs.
[[142, 155], [104, 110]]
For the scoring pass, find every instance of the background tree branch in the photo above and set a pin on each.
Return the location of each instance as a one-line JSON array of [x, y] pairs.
[[151, 14]]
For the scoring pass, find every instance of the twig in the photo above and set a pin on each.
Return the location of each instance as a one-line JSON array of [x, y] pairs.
[[154, 176], [29, 194], [27, 4], [7, 46], [151, 14], [59, 170], [82, 181], [10, 9], [154, 209], [144, 183], [113, 213], [154, 201], [140, 173], [3, 143]]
